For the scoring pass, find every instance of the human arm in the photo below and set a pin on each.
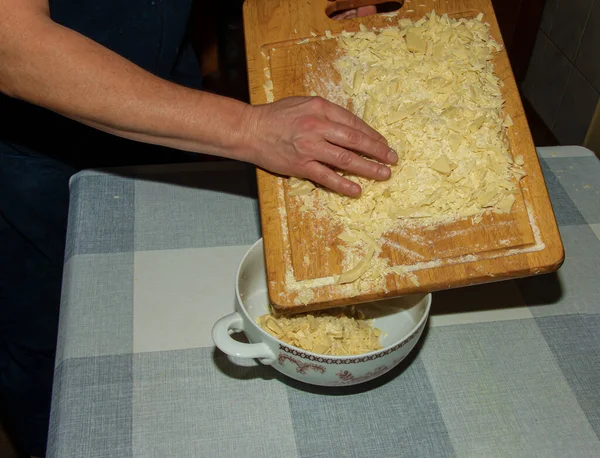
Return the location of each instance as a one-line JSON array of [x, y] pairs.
[[57, 68]]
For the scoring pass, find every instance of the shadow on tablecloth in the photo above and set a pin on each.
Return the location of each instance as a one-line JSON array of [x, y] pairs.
[[534, 291], [219, 175]]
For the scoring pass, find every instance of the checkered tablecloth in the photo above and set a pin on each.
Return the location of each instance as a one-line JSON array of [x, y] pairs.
[[509, 369]]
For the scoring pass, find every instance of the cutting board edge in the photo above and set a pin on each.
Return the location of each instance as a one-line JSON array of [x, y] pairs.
[[556, 259]]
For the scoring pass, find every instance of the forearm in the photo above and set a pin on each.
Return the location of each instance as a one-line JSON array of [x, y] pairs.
[[54, 67], [59, 69]]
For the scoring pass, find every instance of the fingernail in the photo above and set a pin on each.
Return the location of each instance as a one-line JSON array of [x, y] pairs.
[[384, 172], [392, 156], [355, 189]]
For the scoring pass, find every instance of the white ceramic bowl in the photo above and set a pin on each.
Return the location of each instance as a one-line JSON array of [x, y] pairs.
[[402, 329]]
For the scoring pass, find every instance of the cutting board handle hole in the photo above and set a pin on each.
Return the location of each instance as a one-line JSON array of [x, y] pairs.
[[346, 9]]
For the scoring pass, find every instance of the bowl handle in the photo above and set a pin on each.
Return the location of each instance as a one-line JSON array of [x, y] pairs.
[[222, 339]]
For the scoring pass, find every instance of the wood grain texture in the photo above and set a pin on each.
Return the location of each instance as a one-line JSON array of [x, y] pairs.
[[522, 243]]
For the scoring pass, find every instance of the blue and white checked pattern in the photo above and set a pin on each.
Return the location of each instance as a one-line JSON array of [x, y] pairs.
[[505, 369]]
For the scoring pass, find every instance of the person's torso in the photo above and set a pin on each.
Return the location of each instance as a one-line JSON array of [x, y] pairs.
[[149, 33]]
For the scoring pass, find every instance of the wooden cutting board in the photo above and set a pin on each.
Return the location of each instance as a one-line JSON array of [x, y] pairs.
[[283, 37]]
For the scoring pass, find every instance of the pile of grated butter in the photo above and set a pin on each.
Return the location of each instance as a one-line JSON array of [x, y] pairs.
[[429, 88]]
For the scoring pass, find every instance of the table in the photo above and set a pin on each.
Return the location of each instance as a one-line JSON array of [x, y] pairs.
[[504, 369]]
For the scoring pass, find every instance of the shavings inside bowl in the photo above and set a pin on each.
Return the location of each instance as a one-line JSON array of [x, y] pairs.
[[337, 332]]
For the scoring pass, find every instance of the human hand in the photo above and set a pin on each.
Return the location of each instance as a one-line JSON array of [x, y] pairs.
[[356, 12], [305, 136]]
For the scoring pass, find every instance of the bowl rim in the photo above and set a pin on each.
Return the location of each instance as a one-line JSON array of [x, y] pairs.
[[427, 296]]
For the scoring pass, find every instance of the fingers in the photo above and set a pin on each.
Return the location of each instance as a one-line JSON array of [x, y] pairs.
[[356, 140], [357, 12], [340, 115], [353, 163], [323, 175], [366, 10], [349, 14]]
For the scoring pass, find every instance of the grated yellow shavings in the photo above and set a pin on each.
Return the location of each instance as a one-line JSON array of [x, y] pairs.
[[336, 332], [429, 87]]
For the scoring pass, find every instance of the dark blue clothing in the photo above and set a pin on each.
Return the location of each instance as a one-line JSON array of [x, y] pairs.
[[39, 151], [151, 34], [33, 211]]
